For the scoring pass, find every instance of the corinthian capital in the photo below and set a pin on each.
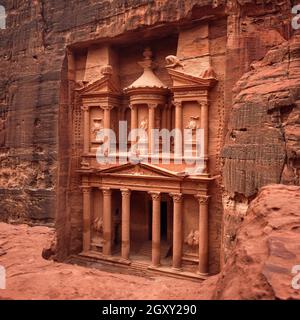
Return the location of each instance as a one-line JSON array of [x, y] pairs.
[[155, 195], [86, 189], [152, 105], [106, 191], [202, 103], [85, 108], [203, 199], [177, 197], [125, 193], [177, 104], [107, 107]]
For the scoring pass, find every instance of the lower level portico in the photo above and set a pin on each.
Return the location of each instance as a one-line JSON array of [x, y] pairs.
[[139, 213]]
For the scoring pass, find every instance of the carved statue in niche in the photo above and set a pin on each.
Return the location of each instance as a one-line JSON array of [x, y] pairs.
[[96, 127], [192, 240], [144, 124], [192, 124], [98, 228], [173, 62]]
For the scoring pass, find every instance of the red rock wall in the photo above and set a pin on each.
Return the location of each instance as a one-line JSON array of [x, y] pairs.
[[260, 145], [267, 250]]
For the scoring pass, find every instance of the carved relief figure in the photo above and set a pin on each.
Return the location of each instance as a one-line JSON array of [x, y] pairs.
[[98, 228], [144, 124], [98, 225], [96, 127], [192, 124], [80, 84], [192, 239], [107, 70], [173, 61]]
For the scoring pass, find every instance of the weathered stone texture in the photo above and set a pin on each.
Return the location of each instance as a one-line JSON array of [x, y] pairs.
[[267, 249], [255, 149], [263, 123], [262, 142]]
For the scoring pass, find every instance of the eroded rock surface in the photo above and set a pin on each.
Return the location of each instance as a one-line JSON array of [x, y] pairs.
[[267, 249], [262, 143]]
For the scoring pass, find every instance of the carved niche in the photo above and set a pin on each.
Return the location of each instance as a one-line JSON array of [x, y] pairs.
[[97, 125]]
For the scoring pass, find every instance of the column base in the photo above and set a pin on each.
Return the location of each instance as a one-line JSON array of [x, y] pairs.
[[177, 269], [155, 266], [202, 274]]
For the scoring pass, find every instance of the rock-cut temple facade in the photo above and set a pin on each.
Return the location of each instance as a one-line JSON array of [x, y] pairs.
[[146, 214]]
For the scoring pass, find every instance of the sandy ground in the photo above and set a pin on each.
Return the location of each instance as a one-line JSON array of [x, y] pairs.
[[29, 276]]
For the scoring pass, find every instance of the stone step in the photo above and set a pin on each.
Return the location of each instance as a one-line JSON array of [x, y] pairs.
[[146, 249]]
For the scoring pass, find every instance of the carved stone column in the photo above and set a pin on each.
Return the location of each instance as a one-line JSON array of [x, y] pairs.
[[179, 127], [86, 218], [107, 116], [177, 231], [156, 228], [107, 221], [134, 116], [86, 129], [203, 233], [205, 127], [151, 126], [125, 223]]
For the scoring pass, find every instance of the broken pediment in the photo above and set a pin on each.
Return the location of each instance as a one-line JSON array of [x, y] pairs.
[[185, 80], [104, 85]]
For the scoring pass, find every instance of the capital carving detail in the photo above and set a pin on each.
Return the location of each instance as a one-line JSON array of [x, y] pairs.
[[202, 103], [155, 195], [85, 108], [86, 190], [125, 193], [152, 105], [177, 104], [107, 107], [177, 197], [106, 191], [202, 199]]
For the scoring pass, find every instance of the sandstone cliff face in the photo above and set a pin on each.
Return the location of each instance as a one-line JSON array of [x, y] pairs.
[[262, 143], [266, 252]]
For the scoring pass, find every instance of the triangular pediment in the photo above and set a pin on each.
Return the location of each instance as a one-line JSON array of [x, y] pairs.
[[140, 169], [105, 85], [182, 79]]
